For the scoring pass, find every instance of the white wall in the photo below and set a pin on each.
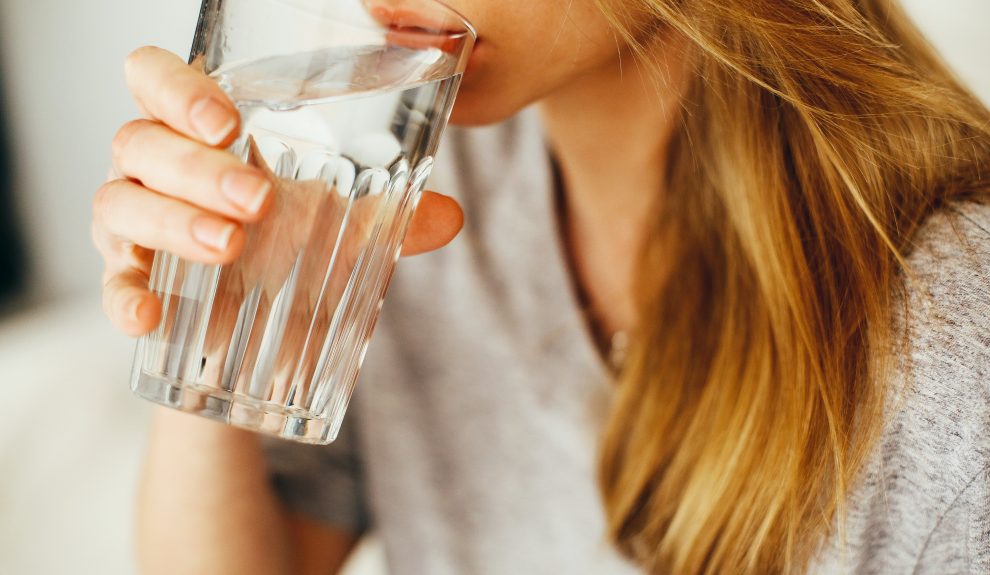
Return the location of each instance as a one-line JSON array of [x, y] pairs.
[[63, 73], [62, 65], [960, 29]]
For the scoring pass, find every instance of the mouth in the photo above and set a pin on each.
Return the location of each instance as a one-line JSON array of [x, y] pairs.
[[451, 25], [416, 30]]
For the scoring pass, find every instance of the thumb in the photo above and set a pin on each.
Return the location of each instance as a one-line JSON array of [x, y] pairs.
[[436, 222]]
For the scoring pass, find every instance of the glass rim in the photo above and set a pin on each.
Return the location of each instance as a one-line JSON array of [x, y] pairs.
[[465, 35], [466, 29], [461, 18]]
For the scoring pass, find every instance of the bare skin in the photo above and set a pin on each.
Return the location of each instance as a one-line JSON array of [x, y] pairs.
[[173, 188], [612, 191]]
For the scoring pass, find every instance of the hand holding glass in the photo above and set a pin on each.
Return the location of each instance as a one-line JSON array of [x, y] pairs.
[[342, 104]]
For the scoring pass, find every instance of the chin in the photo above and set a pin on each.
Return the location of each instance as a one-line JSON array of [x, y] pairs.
[[480, 106]]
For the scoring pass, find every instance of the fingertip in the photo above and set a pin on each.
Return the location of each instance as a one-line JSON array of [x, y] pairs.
[[262, 205], [453, 210], [236, 246], [137, 315], [144, 315], [230, 253], [136, 57], [437, 222], [181, 96], [443, 216], [215, 120]]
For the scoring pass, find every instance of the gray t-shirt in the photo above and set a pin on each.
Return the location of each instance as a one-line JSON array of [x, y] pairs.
[[471, 442]]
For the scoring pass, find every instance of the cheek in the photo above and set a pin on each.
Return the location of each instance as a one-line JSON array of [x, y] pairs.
[[527, 53]]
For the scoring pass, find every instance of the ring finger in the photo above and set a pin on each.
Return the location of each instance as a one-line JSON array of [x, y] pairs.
[[128, 210]]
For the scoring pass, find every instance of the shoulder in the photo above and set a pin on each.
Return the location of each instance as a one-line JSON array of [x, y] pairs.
[[945, 308], [915, 492], [949, 259], [941, 383]]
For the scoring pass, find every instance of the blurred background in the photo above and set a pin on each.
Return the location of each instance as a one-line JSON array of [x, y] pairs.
[[70, 432]]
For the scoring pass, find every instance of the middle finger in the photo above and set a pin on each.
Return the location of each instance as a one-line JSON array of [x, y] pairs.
[[176, 166]]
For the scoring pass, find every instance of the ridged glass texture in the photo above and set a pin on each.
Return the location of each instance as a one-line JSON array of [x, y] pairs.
[[274, 341]]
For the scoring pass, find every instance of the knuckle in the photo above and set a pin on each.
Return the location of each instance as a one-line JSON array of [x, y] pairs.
[[138, 56], [111, 281], [102, 201], [111, 295], [105, 300], [136, 257], [96, 235], [190, 157], [107, 277], [123, 139]]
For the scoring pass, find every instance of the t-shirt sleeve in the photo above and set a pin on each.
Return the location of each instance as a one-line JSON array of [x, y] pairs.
[[324, 483], [978, 504], [960, 541], [951, 364]]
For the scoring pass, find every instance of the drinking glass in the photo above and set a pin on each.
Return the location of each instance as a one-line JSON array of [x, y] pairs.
[[342, 103]]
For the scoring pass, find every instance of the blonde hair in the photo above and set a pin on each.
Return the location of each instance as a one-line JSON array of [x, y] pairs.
[[815, 139]]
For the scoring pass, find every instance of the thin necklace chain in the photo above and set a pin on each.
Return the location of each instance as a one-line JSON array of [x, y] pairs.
[[618, 351], [613, 348]]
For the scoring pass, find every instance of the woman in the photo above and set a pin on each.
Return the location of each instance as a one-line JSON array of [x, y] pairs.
[[779, 205]]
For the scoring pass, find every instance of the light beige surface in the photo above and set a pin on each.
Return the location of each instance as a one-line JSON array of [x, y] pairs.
[[70, 439], [71, 435]]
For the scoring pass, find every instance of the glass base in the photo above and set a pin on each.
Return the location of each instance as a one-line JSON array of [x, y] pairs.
[[237, 410]]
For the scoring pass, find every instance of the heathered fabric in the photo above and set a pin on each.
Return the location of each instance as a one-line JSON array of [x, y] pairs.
[[470, 444]]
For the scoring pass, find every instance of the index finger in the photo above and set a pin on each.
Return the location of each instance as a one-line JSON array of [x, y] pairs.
[[172, 92]]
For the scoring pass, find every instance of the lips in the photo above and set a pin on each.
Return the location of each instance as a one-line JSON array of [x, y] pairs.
[[405, 19], [420, 30], [417, 39]]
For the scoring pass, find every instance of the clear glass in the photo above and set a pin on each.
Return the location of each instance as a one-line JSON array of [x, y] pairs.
[[343, 103]]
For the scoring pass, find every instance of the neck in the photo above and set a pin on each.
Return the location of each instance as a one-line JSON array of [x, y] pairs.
[[609, 132]]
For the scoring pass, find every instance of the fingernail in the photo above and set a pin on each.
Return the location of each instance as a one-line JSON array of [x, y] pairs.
[[213, 233], [212, 120], [246, 189]]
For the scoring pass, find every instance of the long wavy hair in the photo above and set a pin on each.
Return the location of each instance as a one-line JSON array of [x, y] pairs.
[[816, 136]]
